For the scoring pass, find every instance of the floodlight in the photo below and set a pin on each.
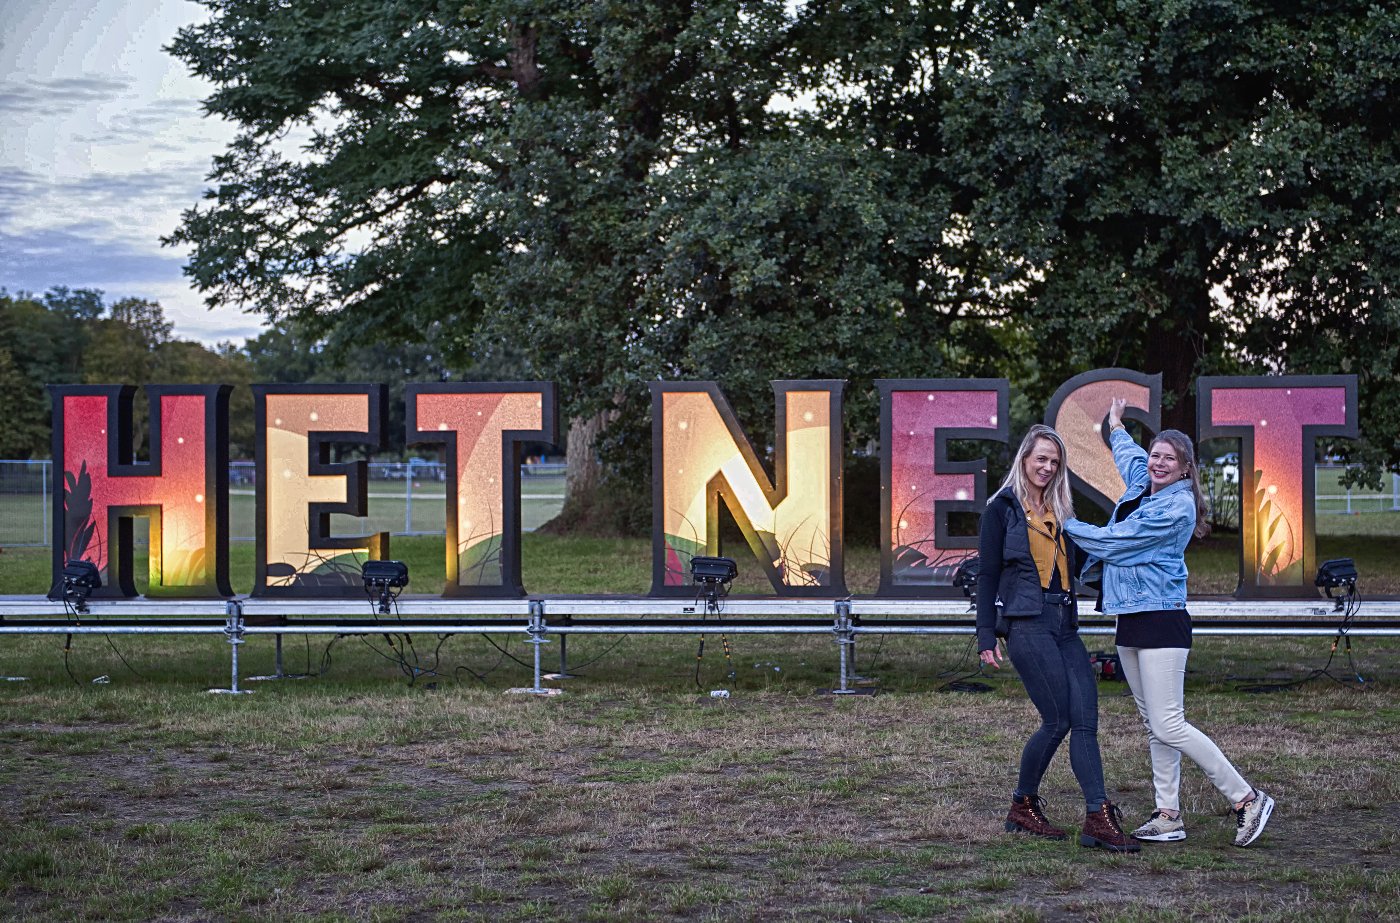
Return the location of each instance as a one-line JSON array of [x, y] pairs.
[[713, 576], [965, 577], [384, 580], [80, 578], [712, 570], [1337, 574]]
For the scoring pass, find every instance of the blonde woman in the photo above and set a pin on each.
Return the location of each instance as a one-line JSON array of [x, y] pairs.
[[1024, 592]]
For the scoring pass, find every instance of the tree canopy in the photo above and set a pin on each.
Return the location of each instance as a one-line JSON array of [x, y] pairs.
[[602, 193]]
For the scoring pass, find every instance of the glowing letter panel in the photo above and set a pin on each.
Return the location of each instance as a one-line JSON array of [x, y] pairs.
[[1277, 420], [482, 427], [919, 486], [298, 487], [1078, 411], [182, 491], [700, 455]]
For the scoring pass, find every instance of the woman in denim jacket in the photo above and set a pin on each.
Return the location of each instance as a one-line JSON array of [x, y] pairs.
[[1024, 591], [1143, 550]]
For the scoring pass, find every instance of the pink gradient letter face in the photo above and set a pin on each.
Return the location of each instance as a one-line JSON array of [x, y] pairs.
[[701, 457], [1077, 412], [919, 486], [1277, 421], [482, 426], [182, 491]]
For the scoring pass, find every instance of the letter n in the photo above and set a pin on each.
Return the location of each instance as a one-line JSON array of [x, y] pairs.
[[701, 457], [182, 491]]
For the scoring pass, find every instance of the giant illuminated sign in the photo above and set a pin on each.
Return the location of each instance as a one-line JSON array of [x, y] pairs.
[[920, 486], [701, 458], [703, 462]]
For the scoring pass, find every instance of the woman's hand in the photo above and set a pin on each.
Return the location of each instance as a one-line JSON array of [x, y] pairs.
[[1115, 412], [992, 657]]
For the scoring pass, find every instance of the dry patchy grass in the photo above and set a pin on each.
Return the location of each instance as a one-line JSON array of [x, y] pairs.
[[638, 797]]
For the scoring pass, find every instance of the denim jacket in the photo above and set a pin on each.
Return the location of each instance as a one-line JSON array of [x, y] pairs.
[[1144, 555]]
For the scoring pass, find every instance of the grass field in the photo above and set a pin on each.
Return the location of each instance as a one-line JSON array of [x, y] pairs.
[[636, 796], [359, 795]]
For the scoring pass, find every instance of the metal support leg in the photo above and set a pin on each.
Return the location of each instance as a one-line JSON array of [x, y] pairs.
[[279, 672], [844, 629], [537, 629], [233, 631], [563, 661]]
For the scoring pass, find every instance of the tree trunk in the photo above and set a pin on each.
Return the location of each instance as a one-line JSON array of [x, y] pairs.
[[584, 513], [585, 472], [1178, 346]]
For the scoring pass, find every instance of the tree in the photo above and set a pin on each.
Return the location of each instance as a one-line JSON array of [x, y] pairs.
[[45, 340], [25, 431], [578, 175], [1196, 187]]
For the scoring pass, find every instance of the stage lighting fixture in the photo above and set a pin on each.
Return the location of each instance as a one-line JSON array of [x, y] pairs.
[[1338, 574], [712, 570], [80, 578], [965, 577], [713, 576], [384, 580]]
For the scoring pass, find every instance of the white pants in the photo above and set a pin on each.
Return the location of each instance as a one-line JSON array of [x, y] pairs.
[[1157, 677]]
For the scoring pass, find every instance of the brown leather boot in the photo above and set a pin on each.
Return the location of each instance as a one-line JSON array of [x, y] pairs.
[[1103, 829], [1027, 815]]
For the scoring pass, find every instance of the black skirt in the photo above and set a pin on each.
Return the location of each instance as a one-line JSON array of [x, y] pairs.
[[1164, 628]]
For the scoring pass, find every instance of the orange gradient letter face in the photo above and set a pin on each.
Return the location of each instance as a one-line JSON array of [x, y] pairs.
[[182, 492], [1077, 412], [298, 487], [1277, 421], [701, 456], [482, 427]]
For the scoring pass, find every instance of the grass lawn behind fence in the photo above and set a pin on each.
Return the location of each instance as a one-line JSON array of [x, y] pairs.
[[357, 794]]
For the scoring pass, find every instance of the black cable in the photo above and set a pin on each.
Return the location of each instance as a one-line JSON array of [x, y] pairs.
[[605, 653], [876, 659], [326, 656], [138, 674], [1351, 604], [481, 677], [527, 666], [67, 645], [964, 682]]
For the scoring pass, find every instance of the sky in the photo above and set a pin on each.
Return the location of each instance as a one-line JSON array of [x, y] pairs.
[[102, 146]]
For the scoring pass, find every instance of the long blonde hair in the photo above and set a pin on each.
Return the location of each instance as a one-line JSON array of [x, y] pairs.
[[1057, 495], [1186, 454]]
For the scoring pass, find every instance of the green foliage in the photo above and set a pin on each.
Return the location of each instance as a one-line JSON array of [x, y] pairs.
[[73, 337], [604, 193], [1195, 188]]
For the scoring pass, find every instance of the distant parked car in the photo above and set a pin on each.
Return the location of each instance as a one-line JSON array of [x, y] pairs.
[[1229, 465]]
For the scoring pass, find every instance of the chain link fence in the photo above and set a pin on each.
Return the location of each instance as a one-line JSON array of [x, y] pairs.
[[409, 498], [405, 498]]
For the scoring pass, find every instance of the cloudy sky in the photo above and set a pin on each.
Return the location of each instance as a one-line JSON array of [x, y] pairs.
[[101, 146]]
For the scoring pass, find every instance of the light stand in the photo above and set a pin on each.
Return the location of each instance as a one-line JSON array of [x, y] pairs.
[[965, 579], [712, 577], [1339, 575], [384, 581]]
